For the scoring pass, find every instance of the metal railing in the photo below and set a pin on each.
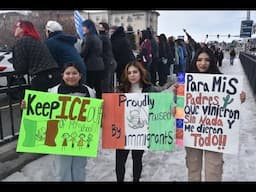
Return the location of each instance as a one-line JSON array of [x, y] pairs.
[[10, 112], [249, 64]]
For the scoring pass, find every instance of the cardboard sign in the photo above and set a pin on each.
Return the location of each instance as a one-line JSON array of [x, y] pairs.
[[138, 121], [60, 124]]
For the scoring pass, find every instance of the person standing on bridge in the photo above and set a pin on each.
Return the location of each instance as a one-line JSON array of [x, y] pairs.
[[134, 80], [204, 62], [232, 54], [71, 168]]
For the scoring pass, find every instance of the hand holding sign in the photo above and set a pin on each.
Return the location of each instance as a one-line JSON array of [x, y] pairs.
[[242, 96]]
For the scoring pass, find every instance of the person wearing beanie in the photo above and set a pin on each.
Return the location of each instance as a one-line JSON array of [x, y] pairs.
[[53, 26], [61, 46], [92, 54]]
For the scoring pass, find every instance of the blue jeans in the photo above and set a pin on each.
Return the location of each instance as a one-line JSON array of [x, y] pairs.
[[70, 168], [171, 70]]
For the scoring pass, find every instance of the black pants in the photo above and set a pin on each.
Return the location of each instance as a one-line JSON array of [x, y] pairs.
[[94, 79], [163, 71], [121, 157], [108, 81], [220, 63], [45, 80], [154, 70]]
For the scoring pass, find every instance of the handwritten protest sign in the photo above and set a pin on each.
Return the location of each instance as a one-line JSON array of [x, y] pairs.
[[212, 112], [138, 121], [60, 124]]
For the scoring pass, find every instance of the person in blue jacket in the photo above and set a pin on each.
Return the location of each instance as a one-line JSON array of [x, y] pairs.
[[61, 46]]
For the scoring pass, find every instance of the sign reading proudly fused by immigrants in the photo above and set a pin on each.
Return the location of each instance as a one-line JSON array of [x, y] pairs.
[[138, 121]]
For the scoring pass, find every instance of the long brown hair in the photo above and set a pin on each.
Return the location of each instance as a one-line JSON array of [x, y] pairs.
[[125, 85]]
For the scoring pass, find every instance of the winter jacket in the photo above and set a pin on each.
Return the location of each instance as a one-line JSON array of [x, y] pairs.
[[121, 49], [62, 48], [92, 53], [32, 56], [107, 55], [82, 90]]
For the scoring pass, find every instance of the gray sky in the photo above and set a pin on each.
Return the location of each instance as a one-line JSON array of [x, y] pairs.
[[199, 23]]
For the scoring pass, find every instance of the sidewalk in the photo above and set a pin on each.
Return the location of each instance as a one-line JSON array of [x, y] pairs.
[[10, 161], [162, 166]]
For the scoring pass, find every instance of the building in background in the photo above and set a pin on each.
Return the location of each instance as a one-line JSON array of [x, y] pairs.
[[137, 19]]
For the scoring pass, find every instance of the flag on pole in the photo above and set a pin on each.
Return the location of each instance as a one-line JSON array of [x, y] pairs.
[[78, 23]]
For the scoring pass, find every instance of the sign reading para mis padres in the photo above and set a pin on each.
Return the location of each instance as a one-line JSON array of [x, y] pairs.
[[60, 124], [246, 28]]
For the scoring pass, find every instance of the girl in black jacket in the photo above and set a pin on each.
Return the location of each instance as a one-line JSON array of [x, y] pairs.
[[134, 81]]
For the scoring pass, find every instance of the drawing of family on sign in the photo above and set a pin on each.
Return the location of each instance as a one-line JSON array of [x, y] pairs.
[[83, 140]]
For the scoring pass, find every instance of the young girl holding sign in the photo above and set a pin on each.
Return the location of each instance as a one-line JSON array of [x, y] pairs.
[[70, 168], [134, 81], [204, 62]]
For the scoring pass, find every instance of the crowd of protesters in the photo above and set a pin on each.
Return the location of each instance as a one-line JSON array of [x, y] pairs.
[[104, 52]]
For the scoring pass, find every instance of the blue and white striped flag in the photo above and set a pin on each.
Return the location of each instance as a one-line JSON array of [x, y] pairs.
[[78, 23]]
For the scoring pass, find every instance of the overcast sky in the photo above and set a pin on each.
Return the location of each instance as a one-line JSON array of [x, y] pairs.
[[200, 23]]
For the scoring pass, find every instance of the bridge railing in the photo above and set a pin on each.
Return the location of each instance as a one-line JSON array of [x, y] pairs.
[[248, 62]]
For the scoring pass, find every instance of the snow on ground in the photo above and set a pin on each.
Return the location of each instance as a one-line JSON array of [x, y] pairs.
[[165, 166]]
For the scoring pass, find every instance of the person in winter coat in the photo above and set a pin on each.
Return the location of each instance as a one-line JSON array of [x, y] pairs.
[[92, 54], [205, 62], [232, 54], [61, 46], [146, 50], [31, 55], [155, 57], [71, 168], [108, 58], [164, 55], [171, 42], [122, 50], [134, 81], [220, 56]]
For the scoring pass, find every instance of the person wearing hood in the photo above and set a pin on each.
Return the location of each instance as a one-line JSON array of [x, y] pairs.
[[61, 46]]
